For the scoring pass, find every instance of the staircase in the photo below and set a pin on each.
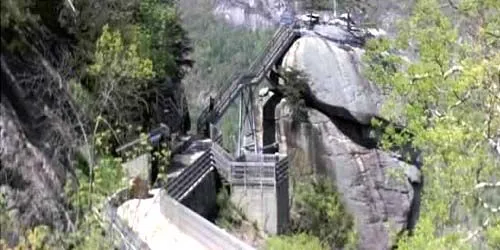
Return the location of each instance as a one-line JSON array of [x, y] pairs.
[[205, 156], [279, 44]]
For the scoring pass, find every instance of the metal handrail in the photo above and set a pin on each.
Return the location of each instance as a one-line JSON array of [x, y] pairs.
[[280, 41], [255, 169], [162, 130], [189, 176]]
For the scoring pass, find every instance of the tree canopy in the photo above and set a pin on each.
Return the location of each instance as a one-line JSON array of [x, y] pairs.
[[442, 78]]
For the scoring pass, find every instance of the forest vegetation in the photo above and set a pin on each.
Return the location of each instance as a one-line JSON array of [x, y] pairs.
[[100, 67]]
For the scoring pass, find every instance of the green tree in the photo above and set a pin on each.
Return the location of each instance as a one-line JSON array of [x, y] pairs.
[[163, 39], [138, 60], [319, 212], [219, 50], [447, 97], [117, 83]]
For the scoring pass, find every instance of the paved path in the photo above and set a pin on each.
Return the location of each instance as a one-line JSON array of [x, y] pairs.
[[145, 218]]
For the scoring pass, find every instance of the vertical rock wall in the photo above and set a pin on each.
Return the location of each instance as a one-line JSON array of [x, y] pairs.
[[255, 14], [376, 187]]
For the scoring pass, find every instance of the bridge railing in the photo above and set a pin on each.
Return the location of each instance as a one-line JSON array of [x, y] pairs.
[[252, 169], [222, 161], [266, 169], [262, 157], [221, 99], [154, 136], [280, 41], [253, 173], [265, 55], [185, 181]]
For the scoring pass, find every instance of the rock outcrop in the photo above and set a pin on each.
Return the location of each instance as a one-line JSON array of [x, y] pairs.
[[254, 14], [31, 180], [380, 191], [261, 14]]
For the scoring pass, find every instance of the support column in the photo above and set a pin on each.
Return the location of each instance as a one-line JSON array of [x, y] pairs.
[[240, 128]]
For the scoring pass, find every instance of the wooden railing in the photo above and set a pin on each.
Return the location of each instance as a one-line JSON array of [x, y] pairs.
[[153, 137]]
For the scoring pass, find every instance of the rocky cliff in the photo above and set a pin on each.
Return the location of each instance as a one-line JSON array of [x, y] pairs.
[[382, 192], [254, 14], [261, 14], [37, 141], [46, 50]]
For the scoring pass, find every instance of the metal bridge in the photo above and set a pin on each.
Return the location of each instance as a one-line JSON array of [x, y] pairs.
[[252, 169], [243, 85]]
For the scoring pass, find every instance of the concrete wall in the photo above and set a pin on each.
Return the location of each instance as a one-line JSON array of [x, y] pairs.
[[259, 204], [140, 166], [197, 227]]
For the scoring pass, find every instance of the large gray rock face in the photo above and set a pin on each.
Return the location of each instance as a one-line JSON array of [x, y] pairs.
[[382, 199], [260, 14], [334, 71], [252, 13], [31, 181]]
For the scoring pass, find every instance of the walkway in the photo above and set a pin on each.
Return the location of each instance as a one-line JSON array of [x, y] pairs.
[[161, 221], [145, 217]]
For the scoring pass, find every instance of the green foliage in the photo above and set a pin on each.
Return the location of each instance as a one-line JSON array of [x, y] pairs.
[[120, 79], [294, 90], [447, 98], [300, 241], [138, 57], [116, 60], [426, 236], [88, 234], [230, 216], [321, 213], [107, 178], [14, 12], [493, 236], [219, 51], [342, 5], [35, 238], [162, 38]]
